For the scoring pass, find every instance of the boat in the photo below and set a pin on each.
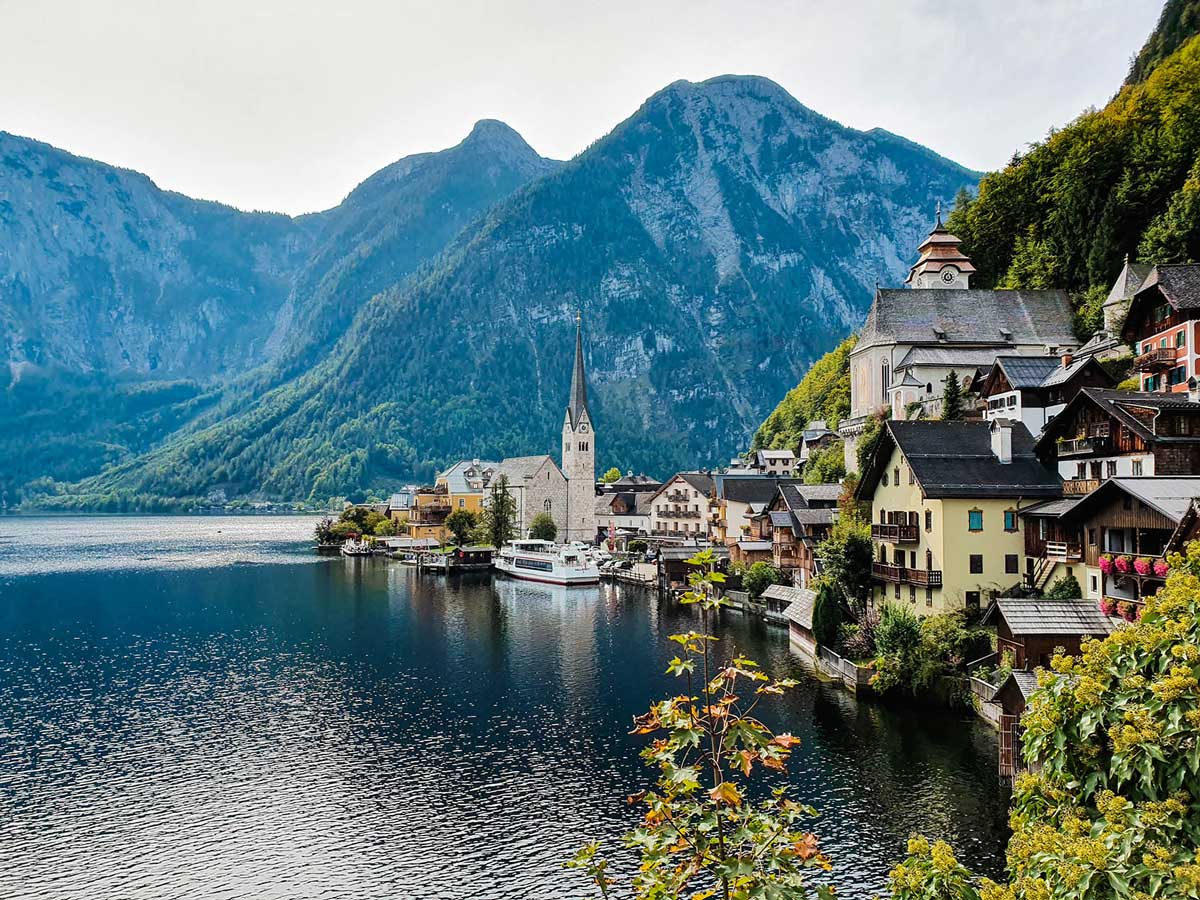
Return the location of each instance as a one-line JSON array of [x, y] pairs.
[[546, 562], [356, 548]]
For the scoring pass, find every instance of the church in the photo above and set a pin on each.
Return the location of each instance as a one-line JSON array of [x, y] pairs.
[[937, 323], [567, 494]]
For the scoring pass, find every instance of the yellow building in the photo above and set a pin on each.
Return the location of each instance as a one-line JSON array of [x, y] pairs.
[[945, 501]]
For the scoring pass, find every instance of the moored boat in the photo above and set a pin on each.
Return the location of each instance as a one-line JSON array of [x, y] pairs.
[[546, 562], [356, 548]]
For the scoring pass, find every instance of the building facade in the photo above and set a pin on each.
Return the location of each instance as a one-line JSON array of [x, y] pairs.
[[680, 509], [538, 486], [1163, 324]]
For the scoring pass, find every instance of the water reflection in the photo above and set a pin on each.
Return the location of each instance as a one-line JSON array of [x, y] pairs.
[[357, 729]]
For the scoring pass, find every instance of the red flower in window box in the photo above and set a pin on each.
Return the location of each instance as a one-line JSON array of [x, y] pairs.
[[1141, 565], [1106, 563], [1107, 606], [1161, 568], [1123, 564]]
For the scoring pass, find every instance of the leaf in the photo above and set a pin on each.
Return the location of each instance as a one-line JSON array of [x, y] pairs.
[[786, 740], [727, 793], [806, 847]]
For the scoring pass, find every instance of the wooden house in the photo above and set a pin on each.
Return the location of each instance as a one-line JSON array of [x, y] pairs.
[[1032, 628], [797, 610], [1013, 697], [1163, 324]]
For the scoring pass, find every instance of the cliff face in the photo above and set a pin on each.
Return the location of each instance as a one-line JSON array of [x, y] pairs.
[[716, 242]]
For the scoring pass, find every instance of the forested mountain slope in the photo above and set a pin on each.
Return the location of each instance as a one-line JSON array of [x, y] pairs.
[[716, 243]]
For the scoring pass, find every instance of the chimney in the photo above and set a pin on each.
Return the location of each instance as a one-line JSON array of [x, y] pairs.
[[1066, 358], [1002, 440]]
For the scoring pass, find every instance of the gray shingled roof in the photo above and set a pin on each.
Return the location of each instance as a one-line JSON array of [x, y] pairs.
[[1023, 681], [781, 518], [1131, 279], [1180, 284], [1119, 404], [1170, 495], [963, 357], [747, 488], [955, 459], [1027, 371], [1063, 374], [753, 546], [799, 602], [456, 477], [518, 468], [1054, 508], [1037, 616], [910, 316]]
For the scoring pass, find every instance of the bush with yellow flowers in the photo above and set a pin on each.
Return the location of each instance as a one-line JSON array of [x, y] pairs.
[[1111, 806]]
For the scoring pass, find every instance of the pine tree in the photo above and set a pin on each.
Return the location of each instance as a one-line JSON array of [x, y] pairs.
[[952, 409], [499, 519]]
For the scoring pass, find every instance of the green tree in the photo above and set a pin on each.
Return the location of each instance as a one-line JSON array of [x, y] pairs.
[[385, 527], [500, 516], [823, 393], [867, 441], [952, 409], [759, 577], [826, 466], [1110, 811], [462, 523], [1064, 588], [700, 835], [324, 531], [637, 546], [846, 557], [542, 528], [613, 474], [827, 614]]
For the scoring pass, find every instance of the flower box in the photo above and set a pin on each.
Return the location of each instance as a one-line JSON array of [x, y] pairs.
[[1106, 563], [1123, 564], [1107, 606], [1141, 565], [1127, 610], [1161, 568]]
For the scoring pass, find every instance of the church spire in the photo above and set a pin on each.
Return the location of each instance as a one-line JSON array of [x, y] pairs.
[[578, 404]]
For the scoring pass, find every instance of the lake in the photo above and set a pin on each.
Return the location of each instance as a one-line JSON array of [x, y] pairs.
[[201, 707]]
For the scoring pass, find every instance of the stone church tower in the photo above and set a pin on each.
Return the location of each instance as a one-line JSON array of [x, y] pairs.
[[579, 454]]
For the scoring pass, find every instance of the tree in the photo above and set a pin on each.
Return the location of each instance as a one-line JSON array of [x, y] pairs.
[[701, 836], [759, 577], [613, 474], [1110, 810], [827, 614], [1064, 588], [867, 441], [542, 528], [846, 557], [637, 546], [500, 516], [385, 527], [826, 466], [462, 523], [324, 531], [952, 410]]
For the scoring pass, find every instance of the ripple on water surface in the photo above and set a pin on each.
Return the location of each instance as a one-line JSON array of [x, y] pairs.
[[351, 729]]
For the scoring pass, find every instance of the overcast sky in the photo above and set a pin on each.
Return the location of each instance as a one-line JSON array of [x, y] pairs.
[[287, 105]]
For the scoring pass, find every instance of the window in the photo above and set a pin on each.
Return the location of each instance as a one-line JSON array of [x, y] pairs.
[[882, 517], [912, 478], [929, 520], [897, 592], [976, 563], [886, 378], [975, 520], [912, 594], [1012, 400], [462, 501], [1041, 529], [912, 559], [973, 599], [1081, 470], [1180, 338], [1091, 537], [1177, 375], [929, 596], [896, 476], [885, 481], [1010, 520], [928, 560], [1095, 586], [546, 506], [1012, 565], [1137, 467]]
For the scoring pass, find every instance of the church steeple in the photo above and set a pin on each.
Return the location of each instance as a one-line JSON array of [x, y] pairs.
[[578, 405], [941, 264]]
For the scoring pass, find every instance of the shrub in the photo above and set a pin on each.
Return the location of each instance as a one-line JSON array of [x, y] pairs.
[[759, 577], [899, 631], [1065, 588], [827, 615], [637, 546], [858, 640], [542, 528]]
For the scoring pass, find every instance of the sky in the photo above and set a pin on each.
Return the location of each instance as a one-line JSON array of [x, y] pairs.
[[286, 105]]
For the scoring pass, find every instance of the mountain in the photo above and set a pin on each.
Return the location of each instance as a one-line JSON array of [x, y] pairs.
[[716, 243], [126, 311]]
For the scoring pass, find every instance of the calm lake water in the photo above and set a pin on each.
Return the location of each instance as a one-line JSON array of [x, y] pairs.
[[200, 707]]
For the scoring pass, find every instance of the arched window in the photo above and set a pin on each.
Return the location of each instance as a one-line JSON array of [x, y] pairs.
[[546, 505], [929, 560], [886, 378]]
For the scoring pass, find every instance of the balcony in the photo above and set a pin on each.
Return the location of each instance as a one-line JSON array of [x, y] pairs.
[[1063, 551], [924, 577], [1084, 446], [897, 534], [1156, 360], [884, 572], [1080, 485], [677, 496]]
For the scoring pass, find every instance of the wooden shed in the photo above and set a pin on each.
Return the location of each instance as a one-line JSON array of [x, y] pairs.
[[798, 612], [1012, 697], [1032, 627]]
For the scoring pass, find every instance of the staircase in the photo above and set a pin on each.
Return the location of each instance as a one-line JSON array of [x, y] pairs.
[[1041, 573]]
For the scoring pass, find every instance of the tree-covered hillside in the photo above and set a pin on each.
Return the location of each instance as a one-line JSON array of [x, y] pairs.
[[1121, 180], [823, 393]]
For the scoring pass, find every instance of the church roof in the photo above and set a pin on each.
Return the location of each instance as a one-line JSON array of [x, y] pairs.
[[1128, 283], [940, 249], [518, 468], [578, 404], [948, 316]]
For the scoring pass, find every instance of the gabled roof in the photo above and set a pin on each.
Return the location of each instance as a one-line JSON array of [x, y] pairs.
[[1169, 495], [1037, 616], [518, 468], [700, 481], [800, 602], [963, 358], [955, 459], [1131, 278], [1179, 284], [1035, 372], [776, 454], [948, 316], [458, 476], [1054, 509], [1020, 682], [760, 489], [1121, 405], [797, 495]]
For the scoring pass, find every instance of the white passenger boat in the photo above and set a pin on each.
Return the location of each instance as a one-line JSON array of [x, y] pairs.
[[546, 562], [356, 548]]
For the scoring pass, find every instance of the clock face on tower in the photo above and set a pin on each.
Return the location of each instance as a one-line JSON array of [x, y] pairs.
[[948, 275], [583, 429]]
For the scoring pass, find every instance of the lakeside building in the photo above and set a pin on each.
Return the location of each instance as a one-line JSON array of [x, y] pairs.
[[1163, 324], [624, 514], [1033, 628], [679, 509], [1103, 434], [736, 500], [1035, 389], [466, 481], [538, 485], [945, 500], [915, 336], [798, 518], [1142, 520], [781, 463]]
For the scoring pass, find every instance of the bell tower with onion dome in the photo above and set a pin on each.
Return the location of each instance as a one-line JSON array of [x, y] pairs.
[[579, 453]]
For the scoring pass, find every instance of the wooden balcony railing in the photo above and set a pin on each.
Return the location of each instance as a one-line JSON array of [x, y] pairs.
[[925, 577], [898, 534], [884, 572], [1080, 485], [1064, 551], [1155, 360], [1084, 446], [900, 574]]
